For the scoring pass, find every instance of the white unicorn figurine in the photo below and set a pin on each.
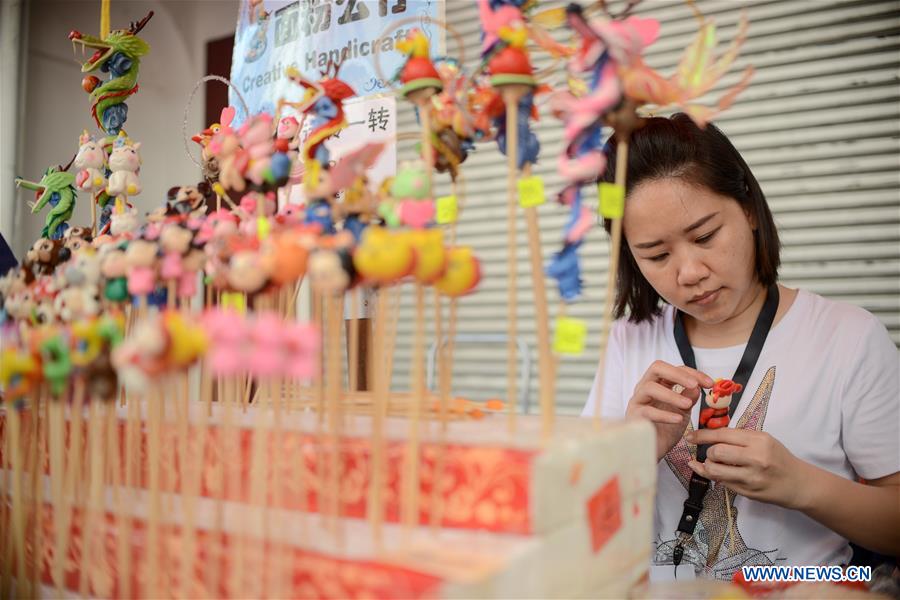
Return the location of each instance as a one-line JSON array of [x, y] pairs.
[[125, 164], [89, 165]]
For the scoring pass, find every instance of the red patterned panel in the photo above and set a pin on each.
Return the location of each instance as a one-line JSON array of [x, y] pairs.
[[604, 511], [265, 569], [479, 487]]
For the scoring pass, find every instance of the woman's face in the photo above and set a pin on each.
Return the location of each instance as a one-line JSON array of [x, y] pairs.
[[695, 247]]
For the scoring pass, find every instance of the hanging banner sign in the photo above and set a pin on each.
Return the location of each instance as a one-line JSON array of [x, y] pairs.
[[371, 119], [311, 34]]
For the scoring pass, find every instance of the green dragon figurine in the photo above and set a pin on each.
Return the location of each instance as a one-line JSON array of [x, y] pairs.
[[56, 187], [119, 54]]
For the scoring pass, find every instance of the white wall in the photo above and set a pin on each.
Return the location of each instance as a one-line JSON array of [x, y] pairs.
[[56, 109], [12, 46]]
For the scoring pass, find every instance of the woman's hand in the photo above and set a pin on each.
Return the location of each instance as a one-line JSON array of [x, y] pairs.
[[668, 409], [756, 465], [752, 463]]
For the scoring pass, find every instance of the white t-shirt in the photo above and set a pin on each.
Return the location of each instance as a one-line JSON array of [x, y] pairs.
[[827, 386]]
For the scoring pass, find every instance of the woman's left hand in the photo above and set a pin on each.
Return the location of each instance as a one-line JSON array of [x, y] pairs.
[[751, 463]]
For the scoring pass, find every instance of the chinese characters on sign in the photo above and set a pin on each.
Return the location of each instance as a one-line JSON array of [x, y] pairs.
[[369, 119], [311, 34], [315, 16], [378, 119]]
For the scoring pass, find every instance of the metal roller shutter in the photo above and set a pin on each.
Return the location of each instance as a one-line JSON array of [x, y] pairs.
[[819, 125]]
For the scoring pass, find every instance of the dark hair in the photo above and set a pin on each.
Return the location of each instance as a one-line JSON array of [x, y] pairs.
[[677, 147]]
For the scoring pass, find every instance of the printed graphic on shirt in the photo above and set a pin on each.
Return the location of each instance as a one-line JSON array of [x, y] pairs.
[[711, 550]]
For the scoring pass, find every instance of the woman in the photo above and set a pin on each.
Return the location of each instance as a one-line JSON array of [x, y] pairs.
[[820, 409]]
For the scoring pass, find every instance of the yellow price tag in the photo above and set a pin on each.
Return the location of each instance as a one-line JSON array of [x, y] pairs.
[[531, 191], [235, 301], [569, 336], [612, 200], [447, 210], [263, 227]]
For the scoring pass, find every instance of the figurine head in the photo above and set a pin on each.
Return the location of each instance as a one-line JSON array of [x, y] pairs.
[[419, 76], [175, 238], [288, 127], [83, 268], [318, 213], [124, 222], [287, 255], [45, 311], [384, 256], [124, 41], [247, 272], [721, 393], [290, 214], [256, 135], [90, 153], [77, 238], [188, 199], [75, 303], [431, 256], [330, 271], [411, 182], [209, 226], [113, 263], [19, 305], [46, 254], [125, 155], [462, 275], [141, 253]]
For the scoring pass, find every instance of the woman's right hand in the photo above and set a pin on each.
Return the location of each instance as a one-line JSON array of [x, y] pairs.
[[668, 409]]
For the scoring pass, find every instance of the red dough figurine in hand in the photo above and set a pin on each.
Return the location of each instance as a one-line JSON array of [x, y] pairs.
[[715, 415]]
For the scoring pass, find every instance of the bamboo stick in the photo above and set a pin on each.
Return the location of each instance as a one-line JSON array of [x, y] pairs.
[[615, 244], [223, 450], [133, 424], [75, 455], [422, 100], [171, 292], [394, 313], [410, 508], [154, 435], [444, 379], [31, 437], [258, 468], [260, 462], [335, 428], [197, 441], [546, 364], [353, 343], [39, 491], [14, 421], [410, 505], [57, 441], [167, 457], [237, 492], [185, 479], [380, 387], [510, 98], [114, 463], [277, 586], [443, 391], [318, 385], [94, 507], [455, 191]]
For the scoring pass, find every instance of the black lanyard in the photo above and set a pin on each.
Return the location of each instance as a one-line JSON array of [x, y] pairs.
[[699, 485]]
